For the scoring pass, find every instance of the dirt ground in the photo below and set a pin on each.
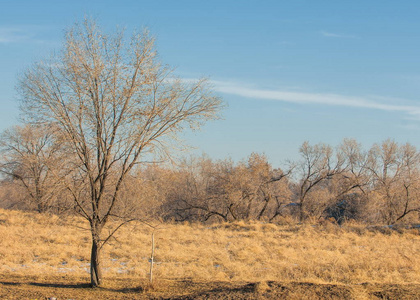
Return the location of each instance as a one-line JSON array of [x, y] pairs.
[[14, 287]]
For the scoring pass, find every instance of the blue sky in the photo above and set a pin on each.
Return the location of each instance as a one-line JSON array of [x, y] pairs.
[[289, 71]]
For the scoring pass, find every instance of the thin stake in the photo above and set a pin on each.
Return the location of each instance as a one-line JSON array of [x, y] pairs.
[[151, 257]]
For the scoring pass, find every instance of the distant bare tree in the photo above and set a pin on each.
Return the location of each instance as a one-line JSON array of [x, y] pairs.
[[355, 172], [199, 192], [394, 171], [256, 188], [116, 104], [248, 190], [350, 187], [317, 165], [410, 195], [34, 159]]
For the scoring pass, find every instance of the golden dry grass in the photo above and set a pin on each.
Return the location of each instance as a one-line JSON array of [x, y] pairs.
[[46, 246]]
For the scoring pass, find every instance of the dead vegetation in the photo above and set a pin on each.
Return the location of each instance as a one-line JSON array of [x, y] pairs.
[[48, 256]]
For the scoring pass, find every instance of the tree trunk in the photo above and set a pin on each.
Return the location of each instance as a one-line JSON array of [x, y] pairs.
[[301, 212], [95, 267]]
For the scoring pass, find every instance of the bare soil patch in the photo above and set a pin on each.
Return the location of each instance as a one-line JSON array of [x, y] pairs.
[[15, 287]]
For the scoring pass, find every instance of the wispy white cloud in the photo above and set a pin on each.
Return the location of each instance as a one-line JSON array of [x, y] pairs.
[[369, 102], [337, 35], [19, 34], [12, 35]]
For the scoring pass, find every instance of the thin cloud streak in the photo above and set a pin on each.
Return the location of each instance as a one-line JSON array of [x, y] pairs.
[[12, 35], [336, 35], [18, 34], [316, 98]]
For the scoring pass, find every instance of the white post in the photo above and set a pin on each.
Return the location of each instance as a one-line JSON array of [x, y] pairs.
[[151, 258]]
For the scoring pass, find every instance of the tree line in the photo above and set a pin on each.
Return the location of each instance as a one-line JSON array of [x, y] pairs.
[[380, 185]]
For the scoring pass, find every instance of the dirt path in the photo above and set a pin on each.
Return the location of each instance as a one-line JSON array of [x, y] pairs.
[[76, 288]]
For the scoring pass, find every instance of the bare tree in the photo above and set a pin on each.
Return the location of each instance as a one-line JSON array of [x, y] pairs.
[[394, 171], [349, 188], [385, 168], [248, 190], [200, 192], [34, 159], [410, 182], [318, 164], [355, 172], [116, 104], [255, 188]]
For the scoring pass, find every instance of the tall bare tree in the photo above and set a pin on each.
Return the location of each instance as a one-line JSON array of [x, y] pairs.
[[116, 104]]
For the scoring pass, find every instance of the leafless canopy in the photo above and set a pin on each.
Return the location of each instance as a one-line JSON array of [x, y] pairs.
[[114, 102]]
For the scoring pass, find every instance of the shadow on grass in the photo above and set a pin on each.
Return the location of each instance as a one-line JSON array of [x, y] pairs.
[[10, 283], [61, 285], [83, 286]]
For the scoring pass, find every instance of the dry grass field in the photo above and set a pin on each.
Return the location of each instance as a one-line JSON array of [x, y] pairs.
[[46, 256]]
